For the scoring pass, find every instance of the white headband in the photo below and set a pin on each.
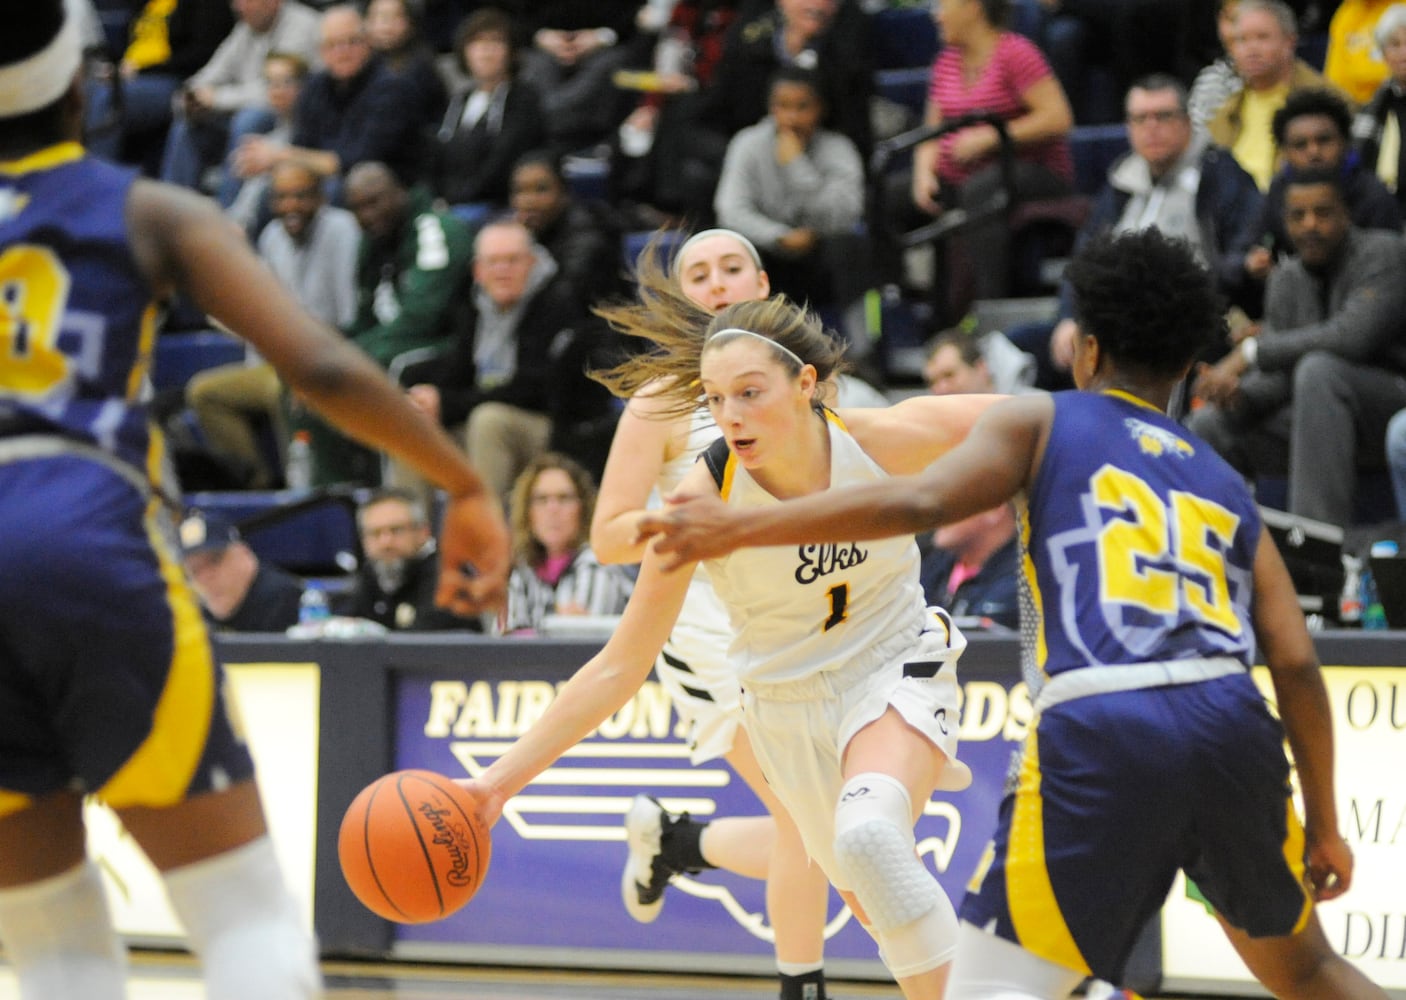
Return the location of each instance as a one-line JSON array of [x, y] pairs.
[[41, 79], [734, 234], [737, 331]]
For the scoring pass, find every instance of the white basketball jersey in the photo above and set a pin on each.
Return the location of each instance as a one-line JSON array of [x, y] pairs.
[[798, 610], [703, 615]]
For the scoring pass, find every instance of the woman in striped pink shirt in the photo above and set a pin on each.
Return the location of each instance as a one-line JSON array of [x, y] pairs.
[[984, 67]]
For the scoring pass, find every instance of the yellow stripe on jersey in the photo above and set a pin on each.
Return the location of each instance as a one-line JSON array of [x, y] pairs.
[[146, 344], [44, 159], [161, 769], [1294, 858], [1035, 914], [729, 471], [835, 419]]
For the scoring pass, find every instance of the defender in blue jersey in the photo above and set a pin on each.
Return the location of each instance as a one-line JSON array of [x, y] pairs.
[[1148, 585], [108, 682]]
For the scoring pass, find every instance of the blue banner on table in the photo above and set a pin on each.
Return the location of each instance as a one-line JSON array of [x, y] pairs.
[[558, 851]]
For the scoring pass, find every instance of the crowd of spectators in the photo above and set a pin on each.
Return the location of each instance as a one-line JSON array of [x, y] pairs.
[[406, 167]]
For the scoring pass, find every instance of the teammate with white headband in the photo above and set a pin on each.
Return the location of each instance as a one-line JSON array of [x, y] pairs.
[[848, 682]]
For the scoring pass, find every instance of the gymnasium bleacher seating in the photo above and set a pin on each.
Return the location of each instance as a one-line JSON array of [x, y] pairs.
[[180, 355]]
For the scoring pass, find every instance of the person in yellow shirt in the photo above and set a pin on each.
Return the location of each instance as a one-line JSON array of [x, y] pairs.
[[130, 109], [1263, 49], [1354, 62]]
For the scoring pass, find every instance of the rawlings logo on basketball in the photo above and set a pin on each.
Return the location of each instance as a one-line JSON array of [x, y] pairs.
[[455, 838]]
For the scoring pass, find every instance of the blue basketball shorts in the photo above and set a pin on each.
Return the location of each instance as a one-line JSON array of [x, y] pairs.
[[108, 681], [1119, 790]]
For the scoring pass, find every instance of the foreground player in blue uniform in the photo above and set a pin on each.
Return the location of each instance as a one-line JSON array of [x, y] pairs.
[[1147, 582], [108, 682]]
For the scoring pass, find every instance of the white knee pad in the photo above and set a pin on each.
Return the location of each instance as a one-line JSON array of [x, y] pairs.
[[59, 938], [988, 967], [244, 925], [909, 914]]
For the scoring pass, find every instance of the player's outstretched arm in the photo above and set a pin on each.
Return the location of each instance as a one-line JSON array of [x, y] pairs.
[[1303, 705], [601, 687], [183, 242], [989, 467]]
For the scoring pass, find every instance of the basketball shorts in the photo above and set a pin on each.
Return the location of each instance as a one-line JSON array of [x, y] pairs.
[[799, 729], [108, 682], [1119, 790]]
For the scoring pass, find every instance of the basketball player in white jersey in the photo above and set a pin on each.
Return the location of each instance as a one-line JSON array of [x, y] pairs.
[[651, 453], [849, 682]]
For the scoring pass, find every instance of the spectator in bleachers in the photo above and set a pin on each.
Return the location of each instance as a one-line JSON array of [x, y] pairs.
[[685, 44], [959, 361], [1310, 391], [1266, 33], [985, 68], [1175, 179], [393, 30], [412, 267], [554, 570], [577, 45], [972, 567], [1218, 80], [493, 121], [582, 237], [312, 248], [412, 276], [238, 591], [496, 375], [395, 584], [832, 37], [168, 41], [228, 96], [352, 111], [1353, 62], [1378, 128], [796, 190], [244, 192], [1311, 131]]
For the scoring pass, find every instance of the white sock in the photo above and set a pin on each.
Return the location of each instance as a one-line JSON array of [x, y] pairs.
[[244, 925], [59, 938]]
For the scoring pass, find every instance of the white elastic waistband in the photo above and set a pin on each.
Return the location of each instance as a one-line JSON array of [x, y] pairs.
[[1132, 677]]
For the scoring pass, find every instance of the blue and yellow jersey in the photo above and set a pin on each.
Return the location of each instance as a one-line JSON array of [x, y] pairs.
[[77, 318], [1163, 524]]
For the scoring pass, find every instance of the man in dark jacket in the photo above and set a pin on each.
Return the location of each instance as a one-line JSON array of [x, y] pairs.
[[1173, 179], [238, 591], [513, 374], [1311, 391], [1313, 132], [395, 584]]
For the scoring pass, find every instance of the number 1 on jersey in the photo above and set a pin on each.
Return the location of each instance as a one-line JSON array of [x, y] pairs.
[[839, 606]]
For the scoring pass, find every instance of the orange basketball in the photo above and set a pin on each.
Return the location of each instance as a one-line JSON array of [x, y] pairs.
[[412, 846]]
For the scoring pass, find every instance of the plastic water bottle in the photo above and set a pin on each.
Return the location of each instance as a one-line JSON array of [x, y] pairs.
[[1350, 600], [1373, 614], [314, 607], [298, 473]]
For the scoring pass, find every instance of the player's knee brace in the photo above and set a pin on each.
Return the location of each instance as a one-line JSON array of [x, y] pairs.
[[59, 937], [908, 912], [244, 925]]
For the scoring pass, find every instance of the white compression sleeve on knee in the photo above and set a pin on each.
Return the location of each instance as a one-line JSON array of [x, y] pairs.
[[59, 938], [910, 915], [245, 927]]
